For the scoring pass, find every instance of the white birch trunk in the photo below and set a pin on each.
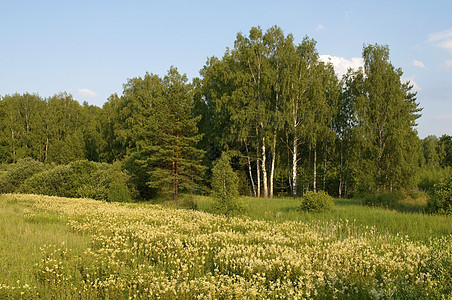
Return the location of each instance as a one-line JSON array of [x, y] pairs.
[[324, 166], [264, 169], [294, 166], [250, 171], [258, 174], [272, 172], [314, 183]]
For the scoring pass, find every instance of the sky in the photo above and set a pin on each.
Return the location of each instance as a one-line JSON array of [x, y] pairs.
[[89, 49]]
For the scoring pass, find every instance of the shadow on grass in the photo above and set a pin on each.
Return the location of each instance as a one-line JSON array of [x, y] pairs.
[[347, 202], [409, 208]]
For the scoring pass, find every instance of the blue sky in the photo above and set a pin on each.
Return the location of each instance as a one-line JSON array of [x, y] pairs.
[[90, 48]]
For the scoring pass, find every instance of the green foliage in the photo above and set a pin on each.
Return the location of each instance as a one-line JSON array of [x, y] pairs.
[[440, 200], [316, 202], [225, 187], [382, 199], [96, 185], [173, 161], [57, 181], [386, 111], [445, 150], [82, 179], [271, 100], [118, 190], [139, 176], [429, 176], [16, 174]]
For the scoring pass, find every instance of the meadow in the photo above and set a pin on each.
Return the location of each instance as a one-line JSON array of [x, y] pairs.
[[66, 248]]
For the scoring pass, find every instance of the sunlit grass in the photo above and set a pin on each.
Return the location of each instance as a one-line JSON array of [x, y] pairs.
[[23, 232], [87, 249], [406, 220]]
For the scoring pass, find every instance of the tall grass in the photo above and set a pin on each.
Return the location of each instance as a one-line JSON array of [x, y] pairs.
[[23, 232], [406, 220], [154, 252]]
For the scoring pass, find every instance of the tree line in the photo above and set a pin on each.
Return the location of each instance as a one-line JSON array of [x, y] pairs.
[[286, 119]]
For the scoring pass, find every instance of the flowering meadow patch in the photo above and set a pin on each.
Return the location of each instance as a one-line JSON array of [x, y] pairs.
[[154, 252]]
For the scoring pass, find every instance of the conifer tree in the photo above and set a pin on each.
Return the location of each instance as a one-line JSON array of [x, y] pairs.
[[174, 161]]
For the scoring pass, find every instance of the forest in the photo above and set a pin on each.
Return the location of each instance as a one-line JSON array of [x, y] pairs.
[[286, 121]]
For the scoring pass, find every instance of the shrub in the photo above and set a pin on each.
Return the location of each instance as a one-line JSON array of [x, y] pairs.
[[382, 199], [16, 174], [82, 179], [316, 202], [57, 181], [118, 190], [96, 187], [440, 199], [225, 187], [429, 176]]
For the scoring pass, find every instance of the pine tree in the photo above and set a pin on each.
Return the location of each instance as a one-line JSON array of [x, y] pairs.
[[174, 161]]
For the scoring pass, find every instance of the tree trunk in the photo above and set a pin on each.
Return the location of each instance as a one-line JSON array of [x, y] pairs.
[[175, 181], [250, 170], [314, 183], [47, 149], [258, 171], [14, 145], [340, 174], [294, 166], [295, 148], [289, 159], [324, 166], [273, 165], [264, 169]]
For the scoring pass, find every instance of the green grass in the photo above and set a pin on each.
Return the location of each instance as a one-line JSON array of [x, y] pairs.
[[22, 233], [167, 250], [406, 219]]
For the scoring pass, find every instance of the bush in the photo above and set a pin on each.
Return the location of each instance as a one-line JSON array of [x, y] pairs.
[[382, 199], [16, 174], [57, 181], [440, 199], [81, 179], [118, 190], [225, 187], [316, 202], [429, 176], [96, 187]]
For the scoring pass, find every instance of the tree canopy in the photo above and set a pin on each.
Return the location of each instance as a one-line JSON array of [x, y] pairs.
[[291, 122]]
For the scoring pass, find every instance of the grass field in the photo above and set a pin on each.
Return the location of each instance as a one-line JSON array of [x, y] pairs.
[[60, 248], [407, 219]]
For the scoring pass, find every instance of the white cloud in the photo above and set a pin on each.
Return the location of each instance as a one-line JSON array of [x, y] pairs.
[[438, 36], [320, 27], [444, 117], [442, 39], [416, 87], [446, 44], [418, 63], [87, 92], [341, 64], [447, 65]]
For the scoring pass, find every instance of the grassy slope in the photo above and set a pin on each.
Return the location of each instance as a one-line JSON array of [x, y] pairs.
[[416, 225]]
